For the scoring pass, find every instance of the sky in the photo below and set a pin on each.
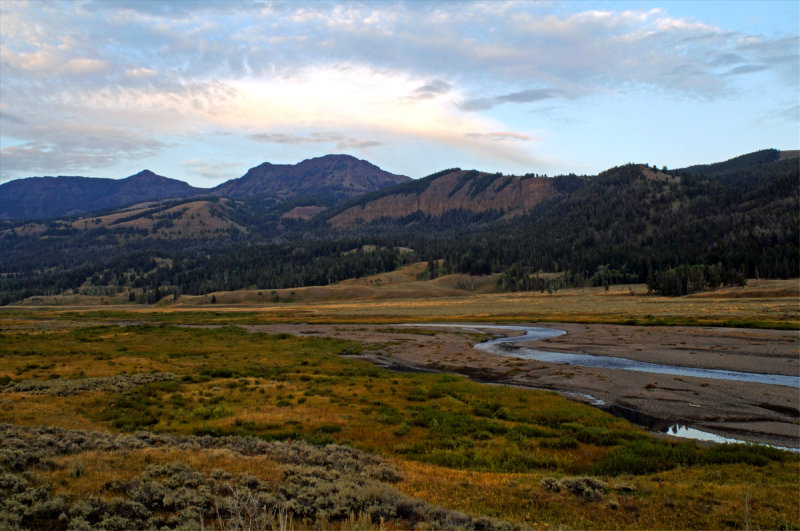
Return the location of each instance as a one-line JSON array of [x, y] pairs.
[[203, 90]]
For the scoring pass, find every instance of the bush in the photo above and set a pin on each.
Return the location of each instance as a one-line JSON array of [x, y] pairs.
[[584, 487], [66, 387], [751, 454], [646, 457], [320, 484]]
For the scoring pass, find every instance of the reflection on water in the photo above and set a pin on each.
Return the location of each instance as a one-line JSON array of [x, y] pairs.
[[679, 430]]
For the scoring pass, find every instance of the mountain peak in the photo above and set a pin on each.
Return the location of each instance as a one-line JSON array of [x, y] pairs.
[[145, 174], [329, 178]]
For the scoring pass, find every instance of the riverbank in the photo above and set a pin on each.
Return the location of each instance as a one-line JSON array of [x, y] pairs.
[[748, 411]]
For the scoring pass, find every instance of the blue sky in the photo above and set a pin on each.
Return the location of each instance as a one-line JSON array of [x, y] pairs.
[[203, 90]]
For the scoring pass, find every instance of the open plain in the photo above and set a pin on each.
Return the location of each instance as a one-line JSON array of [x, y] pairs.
[[188, 387]]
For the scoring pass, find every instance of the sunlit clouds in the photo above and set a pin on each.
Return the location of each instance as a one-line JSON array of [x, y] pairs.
[[204, 90]]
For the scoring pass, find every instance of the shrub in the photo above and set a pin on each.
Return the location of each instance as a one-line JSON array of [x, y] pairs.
[[320, 484], [751, 454], [646, 457], [584, 487], [66, 387]]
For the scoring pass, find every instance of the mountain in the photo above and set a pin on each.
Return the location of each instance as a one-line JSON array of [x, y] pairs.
[[330, 178], [680, 230], [51, 197], [327, 179], [631, 222], [740, 163], [449, 190]]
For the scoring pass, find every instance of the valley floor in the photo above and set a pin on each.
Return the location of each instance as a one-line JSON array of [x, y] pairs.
[[742, 410], [78, 382]]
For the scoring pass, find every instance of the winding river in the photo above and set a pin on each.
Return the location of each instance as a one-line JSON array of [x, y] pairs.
[[502, 346], [532, 333]]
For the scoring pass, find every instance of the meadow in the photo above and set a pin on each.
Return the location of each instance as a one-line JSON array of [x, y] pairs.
[[126, 416]]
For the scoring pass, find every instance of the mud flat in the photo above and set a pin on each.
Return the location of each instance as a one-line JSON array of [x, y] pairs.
[[748, 411]]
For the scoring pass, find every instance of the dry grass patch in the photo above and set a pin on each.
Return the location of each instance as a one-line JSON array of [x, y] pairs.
[[88, 473]]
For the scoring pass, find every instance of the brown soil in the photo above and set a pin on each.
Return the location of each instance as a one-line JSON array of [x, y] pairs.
[[748, 411]]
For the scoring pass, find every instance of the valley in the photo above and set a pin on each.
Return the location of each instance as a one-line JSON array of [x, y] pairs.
[[399, 265], [310, 361], [360, 365]]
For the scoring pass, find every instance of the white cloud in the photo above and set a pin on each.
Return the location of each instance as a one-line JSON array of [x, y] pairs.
[[339, 140], [500, 136], [212, 171], [354, 75], [141, 72], [72, 148]]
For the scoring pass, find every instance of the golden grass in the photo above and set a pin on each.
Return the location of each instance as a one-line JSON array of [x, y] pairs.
[[100, 467], [398, 297], [699, 497], [302, 388]]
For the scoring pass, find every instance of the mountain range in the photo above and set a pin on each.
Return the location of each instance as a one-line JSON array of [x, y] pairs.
[[282, 226], [50, 197], [328, 179]]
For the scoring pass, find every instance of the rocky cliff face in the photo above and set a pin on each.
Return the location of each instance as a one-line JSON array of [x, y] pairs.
[[471, 191]]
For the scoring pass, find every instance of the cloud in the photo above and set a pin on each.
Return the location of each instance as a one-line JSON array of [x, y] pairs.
[[525, 96], [725, 59], [212, 171], [432, 89], [499, 136], [140, 72], [790, 113], [74, 148], [11, 118], [180, 9], [745, 69], [354, 75], [518, 43], [340, 140]]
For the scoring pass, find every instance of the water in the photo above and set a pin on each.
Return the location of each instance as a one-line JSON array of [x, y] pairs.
[[498, 346], [687, 432]]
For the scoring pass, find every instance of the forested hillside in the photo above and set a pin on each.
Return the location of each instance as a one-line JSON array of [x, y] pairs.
[[679, 230], [631, 223]]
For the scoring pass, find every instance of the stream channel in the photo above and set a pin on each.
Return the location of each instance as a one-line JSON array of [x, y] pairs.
[[532, 333]]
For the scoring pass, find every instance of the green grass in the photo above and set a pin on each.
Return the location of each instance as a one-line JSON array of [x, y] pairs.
[[281, 387], [231, 382]]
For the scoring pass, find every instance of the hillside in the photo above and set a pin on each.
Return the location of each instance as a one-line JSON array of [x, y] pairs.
[[330, 178], [51, 197], [740, 163], [197, 220], [631, 222], [678, 231], [451, 190]]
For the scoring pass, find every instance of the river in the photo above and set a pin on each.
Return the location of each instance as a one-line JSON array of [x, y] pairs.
[[532, 333]]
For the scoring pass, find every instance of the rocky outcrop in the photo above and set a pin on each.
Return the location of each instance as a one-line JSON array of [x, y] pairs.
[[457, 190]]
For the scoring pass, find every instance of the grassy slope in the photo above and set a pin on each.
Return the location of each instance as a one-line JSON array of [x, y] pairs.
[[397, 296], [479, 449]]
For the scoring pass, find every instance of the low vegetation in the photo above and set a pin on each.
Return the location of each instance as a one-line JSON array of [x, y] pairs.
[[168, 426], [327, 485]]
